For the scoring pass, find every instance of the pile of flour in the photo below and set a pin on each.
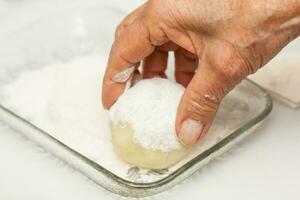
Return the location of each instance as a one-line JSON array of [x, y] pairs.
[[64, 99], [150, 108]]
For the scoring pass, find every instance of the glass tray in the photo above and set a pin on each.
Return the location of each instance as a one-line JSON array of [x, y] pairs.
[[88, 31]]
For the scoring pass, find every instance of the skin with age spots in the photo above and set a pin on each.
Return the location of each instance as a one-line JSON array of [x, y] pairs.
[[224, 40]]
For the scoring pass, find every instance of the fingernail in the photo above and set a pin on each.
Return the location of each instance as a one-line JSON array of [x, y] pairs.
[[190, 131], [124, 75]]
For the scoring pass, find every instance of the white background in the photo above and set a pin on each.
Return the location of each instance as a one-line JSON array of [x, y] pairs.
[[266, 165]]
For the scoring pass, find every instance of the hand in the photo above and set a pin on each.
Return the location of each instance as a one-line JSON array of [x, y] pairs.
[[217, 44]]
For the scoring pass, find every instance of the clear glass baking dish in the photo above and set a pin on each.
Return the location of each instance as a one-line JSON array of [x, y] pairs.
[[89, 30]]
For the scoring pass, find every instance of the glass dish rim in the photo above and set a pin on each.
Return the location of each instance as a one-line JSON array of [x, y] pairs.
[[155, 184]]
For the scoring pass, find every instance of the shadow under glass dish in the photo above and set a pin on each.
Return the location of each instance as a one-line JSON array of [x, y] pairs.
[[80, 31]]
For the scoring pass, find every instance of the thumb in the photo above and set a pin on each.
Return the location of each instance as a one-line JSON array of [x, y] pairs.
[[215, 77]]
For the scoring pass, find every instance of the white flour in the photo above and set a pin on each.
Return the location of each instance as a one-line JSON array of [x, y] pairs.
[[150, 107], [64, 100]]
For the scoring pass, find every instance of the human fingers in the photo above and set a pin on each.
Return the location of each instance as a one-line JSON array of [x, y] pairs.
[[186, 64], [129, 19], [155, 64], [129, 48], [221, 68]]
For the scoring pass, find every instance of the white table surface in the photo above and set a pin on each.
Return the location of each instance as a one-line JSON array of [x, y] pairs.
[[266, 165]]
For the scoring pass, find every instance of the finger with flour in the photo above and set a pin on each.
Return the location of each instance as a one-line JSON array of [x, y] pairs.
[[128, 49]]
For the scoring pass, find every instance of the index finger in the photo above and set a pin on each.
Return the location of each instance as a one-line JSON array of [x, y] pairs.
[[132, 46]]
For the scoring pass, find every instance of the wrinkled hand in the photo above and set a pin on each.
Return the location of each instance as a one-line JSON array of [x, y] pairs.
[[217, 44]]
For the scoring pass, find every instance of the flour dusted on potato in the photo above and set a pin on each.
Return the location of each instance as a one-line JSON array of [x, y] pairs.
[[150, 108]]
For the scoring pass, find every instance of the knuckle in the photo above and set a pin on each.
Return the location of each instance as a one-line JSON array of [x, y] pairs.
[[229, 73], [255, 58], [158, 8], [232, 67], [157, 36], [200, 108], [119, 29], [153, 4]]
